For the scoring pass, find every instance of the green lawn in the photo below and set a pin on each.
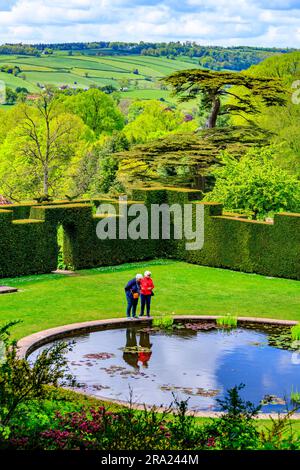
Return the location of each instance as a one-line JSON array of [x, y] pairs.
[[50, 300]]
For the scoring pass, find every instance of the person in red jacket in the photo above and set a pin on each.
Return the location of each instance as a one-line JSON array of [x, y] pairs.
[[146, 289]]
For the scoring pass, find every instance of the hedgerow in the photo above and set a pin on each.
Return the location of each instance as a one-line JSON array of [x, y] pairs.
[[28, 242]]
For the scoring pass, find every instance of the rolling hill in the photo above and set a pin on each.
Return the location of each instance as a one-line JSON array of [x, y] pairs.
[[84, 71]]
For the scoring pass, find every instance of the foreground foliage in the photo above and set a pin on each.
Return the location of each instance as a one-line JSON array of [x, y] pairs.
[[21, 382], [64, 421], [34, 416]]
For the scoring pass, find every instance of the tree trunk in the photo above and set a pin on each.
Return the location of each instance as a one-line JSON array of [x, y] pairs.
[[47, 155], [46, 181], [199, 182], [215, 109]]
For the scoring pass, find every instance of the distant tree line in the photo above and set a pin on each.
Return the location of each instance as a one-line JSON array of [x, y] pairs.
[[212, 57], [18, 49]]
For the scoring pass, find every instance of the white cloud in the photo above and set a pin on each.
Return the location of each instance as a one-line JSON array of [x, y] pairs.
[[225, 22]]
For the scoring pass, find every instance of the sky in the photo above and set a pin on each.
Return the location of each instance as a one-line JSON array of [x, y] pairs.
[[209, 22]]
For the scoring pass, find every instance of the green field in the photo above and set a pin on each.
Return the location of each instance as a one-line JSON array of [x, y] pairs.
[[84, 71], [51, 300]]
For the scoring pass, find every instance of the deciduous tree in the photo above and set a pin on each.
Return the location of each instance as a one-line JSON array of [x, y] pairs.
[[255, 184], [98, 110], [38, 153]]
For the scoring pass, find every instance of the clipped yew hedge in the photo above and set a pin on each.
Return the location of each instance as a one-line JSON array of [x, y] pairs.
[[247, 245], [26, 246], [28, 242], [160, 195], [83, 249]]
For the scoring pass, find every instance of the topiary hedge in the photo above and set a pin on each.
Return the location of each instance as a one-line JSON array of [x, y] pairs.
[[249, 246], [26, 246], [159, 195], [29, 245]]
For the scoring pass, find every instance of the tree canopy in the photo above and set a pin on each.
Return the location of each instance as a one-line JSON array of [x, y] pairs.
[[185, 158], [215, 87], [98, 110], [41, 149], [255, 184], [282, 122], [149, 120]]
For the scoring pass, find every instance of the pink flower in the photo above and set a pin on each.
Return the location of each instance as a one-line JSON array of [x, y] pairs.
[[211, 442]]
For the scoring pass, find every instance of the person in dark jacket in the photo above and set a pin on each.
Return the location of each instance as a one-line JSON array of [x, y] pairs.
[[132, 291]]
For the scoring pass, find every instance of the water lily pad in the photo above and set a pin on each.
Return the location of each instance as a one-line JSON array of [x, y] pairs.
[[190, 390], [257, 343], [135, 349], [100, 387], [202, 392], [100, 355], [201, 326]]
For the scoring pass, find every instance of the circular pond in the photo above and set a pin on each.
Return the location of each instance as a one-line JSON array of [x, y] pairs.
[[188, 362]]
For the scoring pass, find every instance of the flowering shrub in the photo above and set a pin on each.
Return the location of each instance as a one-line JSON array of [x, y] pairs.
[[98, 428], [102, 429]]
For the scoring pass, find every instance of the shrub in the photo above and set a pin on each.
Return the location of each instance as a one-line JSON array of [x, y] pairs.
[[74, 426], [235, 430], [255, 184], [21, 382]]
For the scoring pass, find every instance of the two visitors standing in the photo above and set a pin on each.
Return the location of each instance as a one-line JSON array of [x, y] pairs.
[[140, 286]]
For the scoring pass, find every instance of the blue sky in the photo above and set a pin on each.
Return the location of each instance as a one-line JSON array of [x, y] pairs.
[[215, 22]]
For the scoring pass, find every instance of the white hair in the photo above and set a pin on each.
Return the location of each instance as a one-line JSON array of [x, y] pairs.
[[147, 273], [139, 276]]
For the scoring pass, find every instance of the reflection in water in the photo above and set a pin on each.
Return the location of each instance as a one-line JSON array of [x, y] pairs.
[[145, 352], [134, 353], [201, 365], [130, 354]]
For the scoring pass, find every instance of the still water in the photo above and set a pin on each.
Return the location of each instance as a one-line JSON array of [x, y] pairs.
[[199, 365]]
